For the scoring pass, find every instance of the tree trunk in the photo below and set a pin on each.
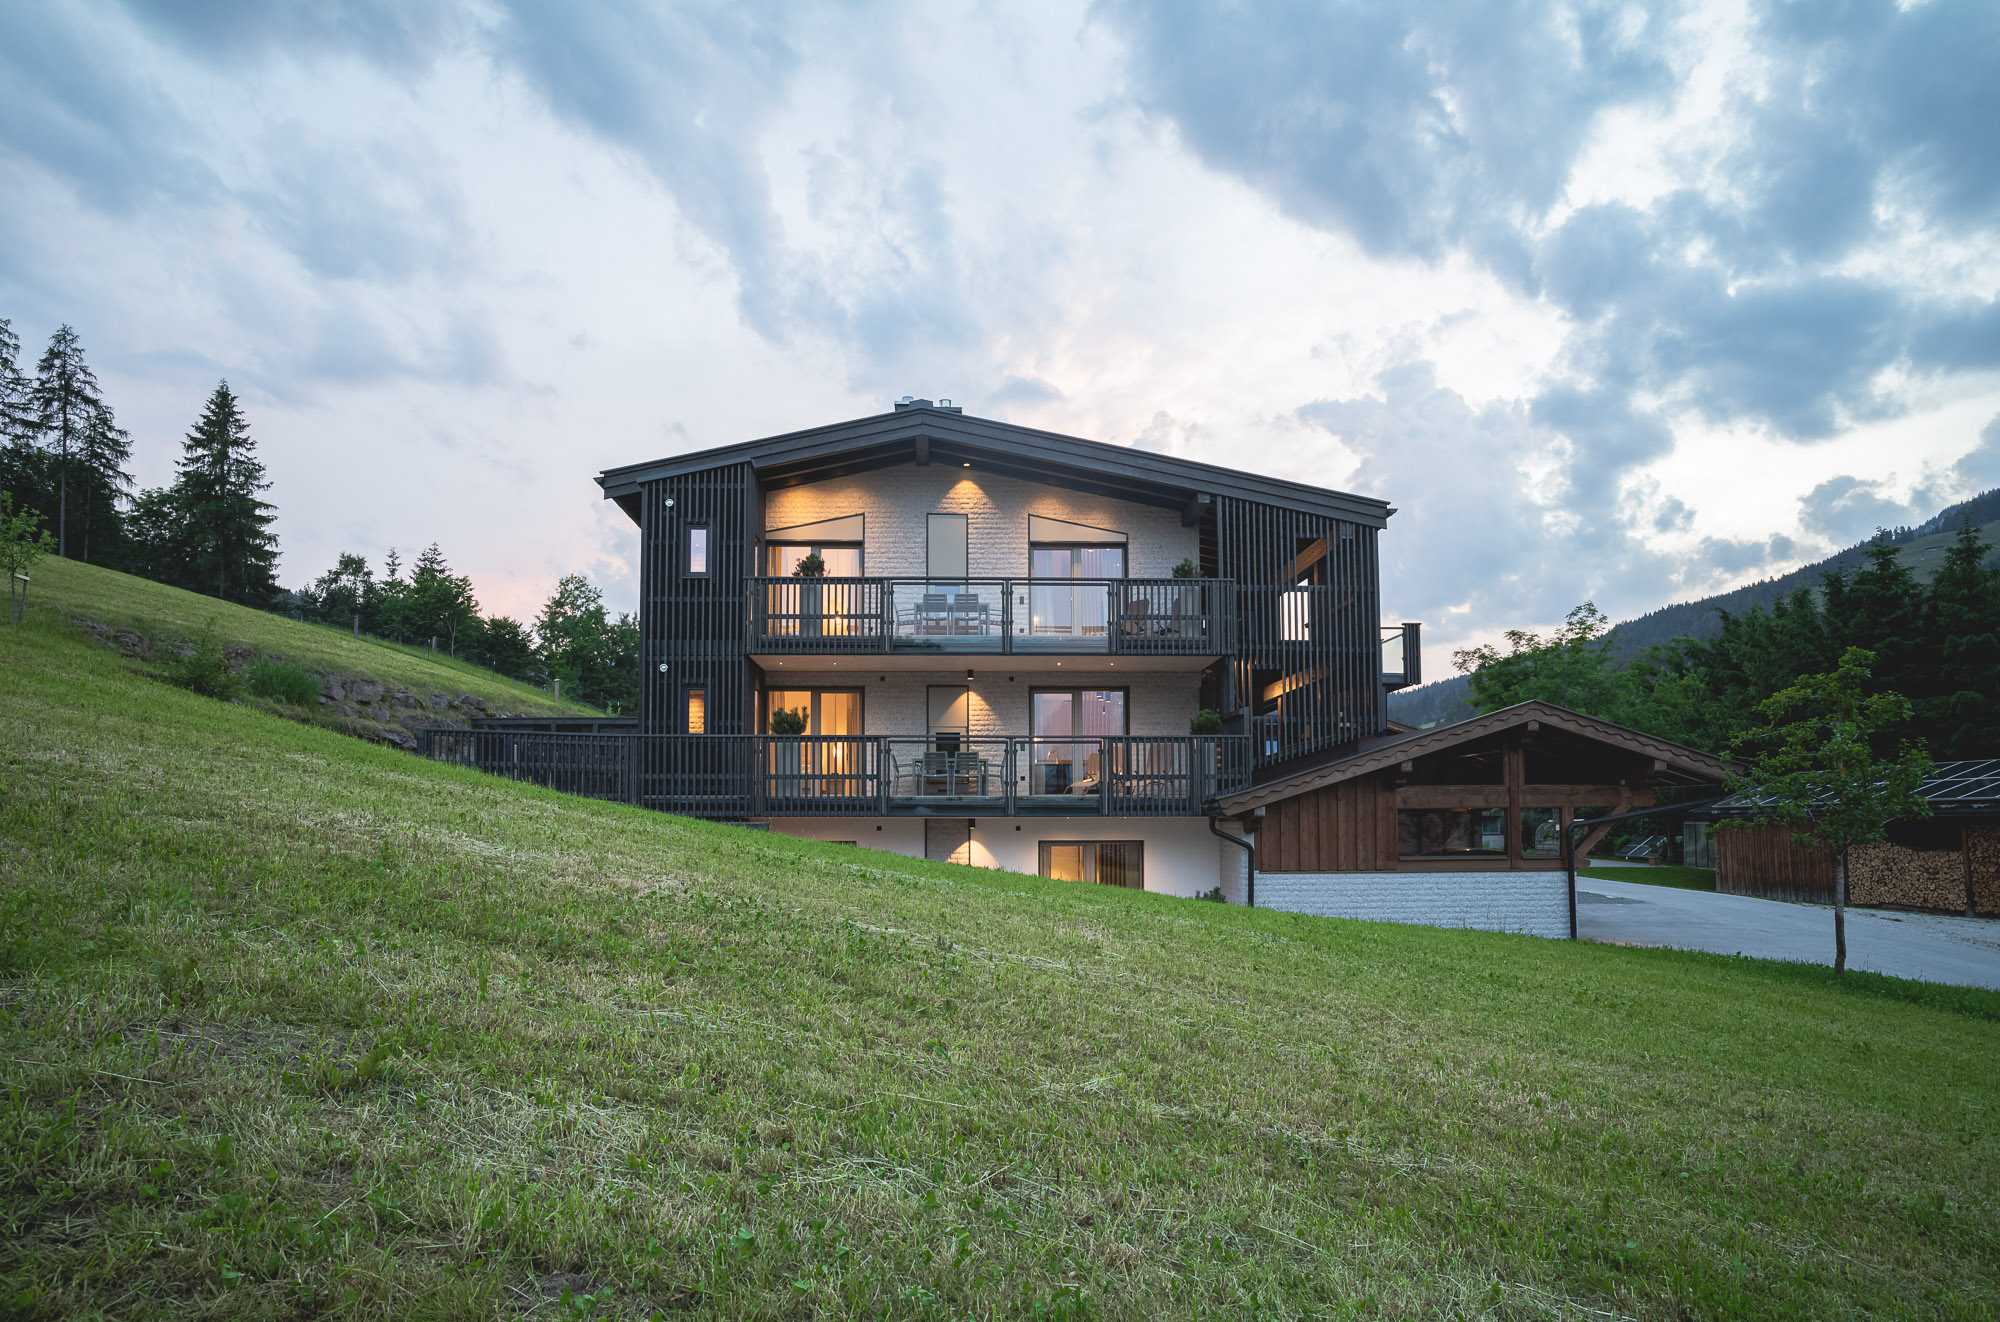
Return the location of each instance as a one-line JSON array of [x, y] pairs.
[[1840, 912]]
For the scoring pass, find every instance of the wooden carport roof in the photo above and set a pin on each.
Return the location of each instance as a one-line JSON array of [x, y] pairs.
[[1674, 764]]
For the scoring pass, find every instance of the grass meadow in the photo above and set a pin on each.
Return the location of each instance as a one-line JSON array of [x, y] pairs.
[[296, 1026]]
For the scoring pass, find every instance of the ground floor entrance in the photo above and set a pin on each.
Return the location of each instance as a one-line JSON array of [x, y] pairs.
[[1171, 855]]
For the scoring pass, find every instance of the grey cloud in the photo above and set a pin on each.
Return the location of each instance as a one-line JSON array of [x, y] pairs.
[[1414, 130], [1453, 128], [380, 210], [1474, 527], [1979, 470], [1848, 509], [402, 34], [74, 111]]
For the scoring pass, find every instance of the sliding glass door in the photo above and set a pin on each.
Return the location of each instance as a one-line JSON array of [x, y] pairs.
[[1066, 753]]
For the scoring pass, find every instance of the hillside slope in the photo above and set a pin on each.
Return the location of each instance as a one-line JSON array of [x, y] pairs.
[[141, 618], [295, 1025], [1921, 548]]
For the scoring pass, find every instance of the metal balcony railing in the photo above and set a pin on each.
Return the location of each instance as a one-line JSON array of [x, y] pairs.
[[1121, 616], [735, 776]]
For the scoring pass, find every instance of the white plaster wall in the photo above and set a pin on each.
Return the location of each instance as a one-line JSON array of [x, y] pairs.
[[1535, 903], [895, 501], [1182, 858], [1158, 702]]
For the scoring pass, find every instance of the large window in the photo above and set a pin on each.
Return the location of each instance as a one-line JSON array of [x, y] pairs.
[[1452, 832], [1068, 749], [828, 761], [1101, 862]]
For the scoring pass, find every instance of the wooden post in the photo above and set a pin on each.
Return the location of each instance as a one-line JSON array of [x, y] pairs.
[[1512, 762]]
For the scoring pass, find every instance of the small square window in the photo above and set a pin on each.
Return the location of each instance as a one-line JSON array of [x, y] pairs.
[[697, 561]]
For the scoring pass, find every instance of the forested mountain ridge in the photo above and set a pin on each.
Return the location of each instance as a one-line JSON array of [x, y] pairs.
[[1921, 548]]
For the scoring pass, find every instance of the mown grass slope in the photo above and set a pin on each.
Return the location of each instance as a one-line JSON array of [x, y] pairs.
[[72, 590], [297, 1026]]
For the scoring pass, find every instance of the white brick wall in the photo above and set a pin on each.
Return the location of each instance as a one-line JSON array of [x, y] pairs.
[[1535, 903], [1157, 703], [895, 501]]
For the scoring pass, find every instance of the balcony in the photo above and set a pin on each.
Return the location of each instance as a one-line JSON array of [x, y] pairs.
[[725, 775], [1013, 617]]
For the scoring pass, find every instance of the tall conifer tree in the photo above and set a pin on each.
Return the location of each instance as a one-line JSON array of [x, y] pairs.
[[1960, 711], [225, 529], [67, 406], [102, 482], [21, 462]]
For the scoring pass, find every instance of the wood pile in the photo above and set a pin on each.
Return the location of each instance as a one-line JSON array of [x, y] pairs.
[[1982, 848], [1906, 878]]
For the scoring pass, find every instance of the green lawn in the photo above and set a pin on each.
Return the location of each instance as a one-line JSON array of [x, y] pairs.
[[1687, 879], [296, 1025], [69, 589]]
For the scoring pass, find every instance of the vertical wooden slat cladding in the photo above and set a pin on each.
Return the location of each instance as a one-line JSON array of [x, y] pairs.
[[1763, 861], [693, 633], [694, 623], [1345, 827], [1324, 641]]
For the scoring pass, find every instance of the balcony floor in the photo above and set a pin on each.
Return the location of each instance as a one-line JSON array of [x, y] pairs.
[[1014, 663]]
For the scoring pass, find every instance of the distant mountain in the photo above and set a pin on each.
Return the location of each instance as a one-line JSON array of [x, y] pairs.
[[1922, 548]]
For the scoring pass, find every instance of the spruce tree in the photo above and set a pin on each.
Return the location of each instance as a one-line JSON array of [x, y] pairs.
[[23, 467], [1960, 713], [102, 482], [225, 529], [67, 406]]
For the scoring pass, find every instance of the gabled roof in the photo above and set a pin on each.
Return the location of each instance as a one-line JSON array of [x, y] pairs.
[[1683, 765], [947, 436]]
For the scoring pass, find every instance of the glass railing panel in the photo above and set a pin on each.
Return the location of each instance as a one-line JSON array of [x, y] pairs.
[[947, 616], [945, 768], [1164, 614], [1072, 615]]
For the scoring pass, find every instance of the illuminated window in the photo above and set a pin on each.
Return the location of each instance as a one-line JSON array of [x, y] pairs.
[[697, 711], [1103, 862], [697, 561]]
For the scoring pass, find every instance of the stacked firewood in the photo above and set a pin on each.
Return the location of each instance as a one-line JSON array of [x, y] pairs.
[[1891, 874], [1982, 848]]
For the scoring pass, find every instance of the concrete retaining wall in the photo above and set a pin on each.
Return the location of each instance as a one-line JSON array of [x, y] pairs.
[[1536, 903]]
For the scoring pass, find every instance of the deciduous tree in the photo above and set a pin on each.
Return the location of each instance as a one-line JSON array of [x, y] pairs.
[[1812, 769]]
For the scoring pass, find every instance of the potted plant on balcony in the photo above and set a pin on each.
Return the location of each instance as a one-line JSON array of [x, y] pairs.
[[786, 751], [1189, 614], [812, 594], [1206, 721]]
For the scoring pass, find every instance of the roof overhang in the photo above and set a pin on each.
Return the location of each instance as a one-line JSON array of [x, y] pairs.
[[926, 435], [1675, 764]]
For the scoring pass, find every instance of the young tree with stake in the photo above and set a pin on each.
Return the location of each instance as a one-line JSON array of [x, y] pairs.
[[1812, 770]]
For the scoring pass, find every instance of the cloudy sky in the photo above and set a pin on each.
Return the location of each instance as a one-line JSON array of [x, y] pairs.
[[1622, 301]]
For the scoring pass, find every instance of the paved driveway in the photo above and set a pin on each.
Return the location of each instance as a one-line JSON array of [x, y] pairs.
[[1933, 947]]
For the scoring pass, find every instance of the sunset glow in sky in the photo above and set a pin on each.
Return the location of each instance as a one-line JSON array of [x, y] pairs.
[[1624, 301]]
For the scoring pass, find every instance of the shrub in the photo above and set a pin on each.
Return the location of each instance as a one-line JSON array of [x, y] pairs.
[[204, 668], [282, 681], [786, 721], [1185, 569], [1206, 721]]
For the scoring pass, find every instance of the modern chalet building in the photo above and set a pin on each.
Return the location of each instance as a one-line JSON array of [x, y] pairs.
[[957, 638]]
